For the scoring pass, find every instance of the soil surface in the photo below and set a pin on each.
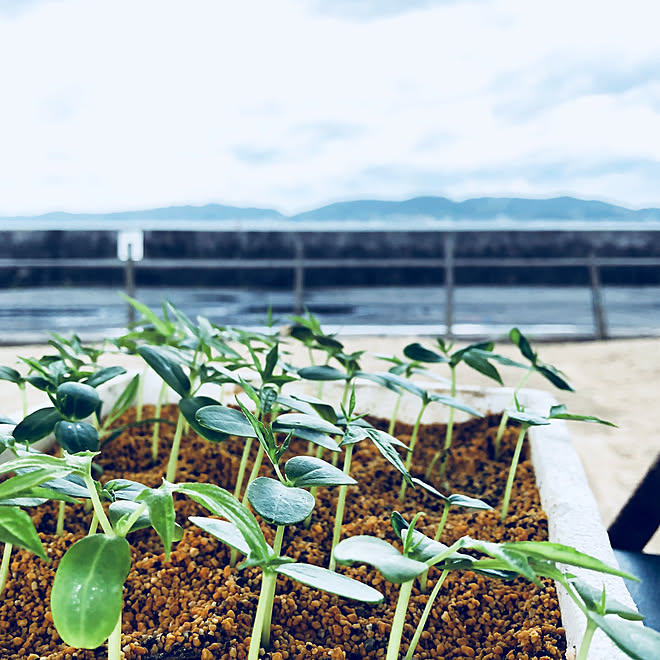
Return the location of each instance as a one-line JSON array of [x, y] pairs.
[[195, 606]]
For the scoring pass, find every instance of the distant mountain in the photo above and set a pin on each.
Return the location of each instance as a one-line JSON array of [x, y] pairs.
[[441, 208], [482, 208], [208, 212]]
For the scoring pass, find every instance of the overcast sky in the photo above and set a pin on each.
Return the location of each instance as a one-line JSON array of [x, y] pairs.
[[291, 104]]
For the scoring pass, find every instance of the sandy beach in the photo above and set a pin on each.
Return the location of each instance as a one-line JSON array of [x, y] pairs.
[[618, 380]]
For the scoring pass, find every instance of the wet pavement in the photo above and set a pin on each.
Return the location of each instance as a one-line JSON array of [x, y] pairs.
[[28, 315]]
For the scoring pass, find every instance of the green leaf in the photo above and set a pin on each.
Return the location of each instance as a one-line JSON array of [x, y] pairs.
[[592, 598], [21, 482], [456, 499], [500, 359], [225, 420], [454, 403], [528, 419], [388, 452], [224, 531], [189, 408], [278, 504], [76, 401], [306, 471], [523, 345], [161, 513], [290, 421], [76, 436], [117, 510], [403, 383], [321, 372], [637, 641], [104, 375], [169, 370], [392, 565], [330, 582], [165, 328], [320, 439], [36, 425], [551, 374], [222, 503], [559, 412], [125, 399], [481, 364], [17, 528], [6, 420], [419, 353], [124, 489], [302, 334], [86, 598], [321, 408], [13, 376]]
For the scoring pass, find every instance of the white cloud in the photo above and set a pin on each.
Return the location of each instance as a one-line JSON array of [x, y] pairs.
[[122, 105]]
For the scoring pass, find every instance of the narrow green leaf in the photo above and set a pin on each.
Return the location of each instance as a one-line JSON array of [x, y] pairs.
[[76, 436], [161, 513], [419, 353], [529, 419], [318, 438], [592, 598], [104, 375], [165, 328], [321, 372], [523, 345], [482, 365], [222, 503], [559, 412], [454, 403], [551, 374], [378, 553], [13, 486], [86, 598], [306, 471], [225, 420], [637, 641], [322, 409], [300, 420], [278, 504], [13, 376], [169, 370], [17, 528], [330, 582], [224, 531], [36, 425], [125, 399]]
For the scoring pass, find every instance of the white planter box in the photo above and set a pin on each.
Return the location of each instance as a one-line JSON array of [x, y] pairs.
[[573, 516]]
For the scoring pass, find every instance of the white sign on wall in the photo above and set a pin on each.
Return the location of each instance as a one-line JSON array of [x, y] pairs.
[[130, 245]]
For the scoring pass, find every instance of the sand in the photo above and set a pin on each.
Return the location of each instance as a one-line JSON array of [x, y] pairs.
[[618, 380]]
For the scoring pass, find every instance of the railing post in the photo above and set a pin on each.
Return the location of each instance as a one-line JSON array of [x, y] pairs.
[[129, 282], [600, 324], [299, 274], [449, 244], [130, 248]]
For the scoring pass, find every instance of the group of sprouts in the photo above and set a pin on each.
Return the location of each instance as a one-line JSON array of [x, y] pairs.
[[188, 355]]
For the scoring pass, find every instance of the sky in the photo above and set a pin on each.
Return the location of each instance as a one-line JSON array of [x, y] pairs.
[[292, 104]]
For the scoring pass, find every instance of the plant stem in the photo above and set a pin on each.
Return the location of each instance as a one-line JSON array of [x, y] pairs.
[[347, 388], [411, 448], [24, 399], [394, 644], [441, 526], [98, 507], [512, 471], [268, 579], [93, 526], [450, 429], [154, 437], [395, 414], [114, 641], [140, 396], [59, 529], [586, 640], [313, 490], [505, 417], [341, 503], [425, 615], [4, 567], [255, 469], [241, 468], [277, 549], [174, 452]]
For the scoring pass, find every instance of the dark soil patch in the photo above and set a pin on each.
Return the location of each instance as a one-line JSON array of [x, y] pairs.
[[195, 606]]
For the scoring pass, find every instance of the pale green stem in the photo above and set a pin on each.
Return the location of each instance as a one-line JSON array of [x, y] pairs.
[[341, 503], [59, 529], [411, 448], [268, 579], [505, 416], [114, 641], [512, 472], [140, 396], [394, 643], [277, 549], [255, 469], [395, 414], [132, 519], [335, 458], [93, 525], [4, 567], [24, 399], [586, 640], [154, 437], [174, 452], [241, 468], [449, 432], [441, 526], [98, 507], [347, 389], [425, 615]]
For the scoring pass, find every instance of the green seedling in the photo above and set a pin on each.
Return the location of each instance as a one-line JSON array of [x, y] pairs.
[[550, 373], [14, 376], [531, 560], [426, 398], [526, 420], [476, 356]]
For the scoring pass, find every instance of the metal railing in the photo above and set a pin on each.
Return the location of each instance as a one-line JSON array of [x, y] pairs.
[[299, 264]]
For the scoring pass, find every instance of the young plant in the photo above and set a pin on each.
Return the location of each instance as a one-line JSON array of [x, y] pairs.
[[477, 356], [526, 420], [14, 376], [529, 559], [550, 373]]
